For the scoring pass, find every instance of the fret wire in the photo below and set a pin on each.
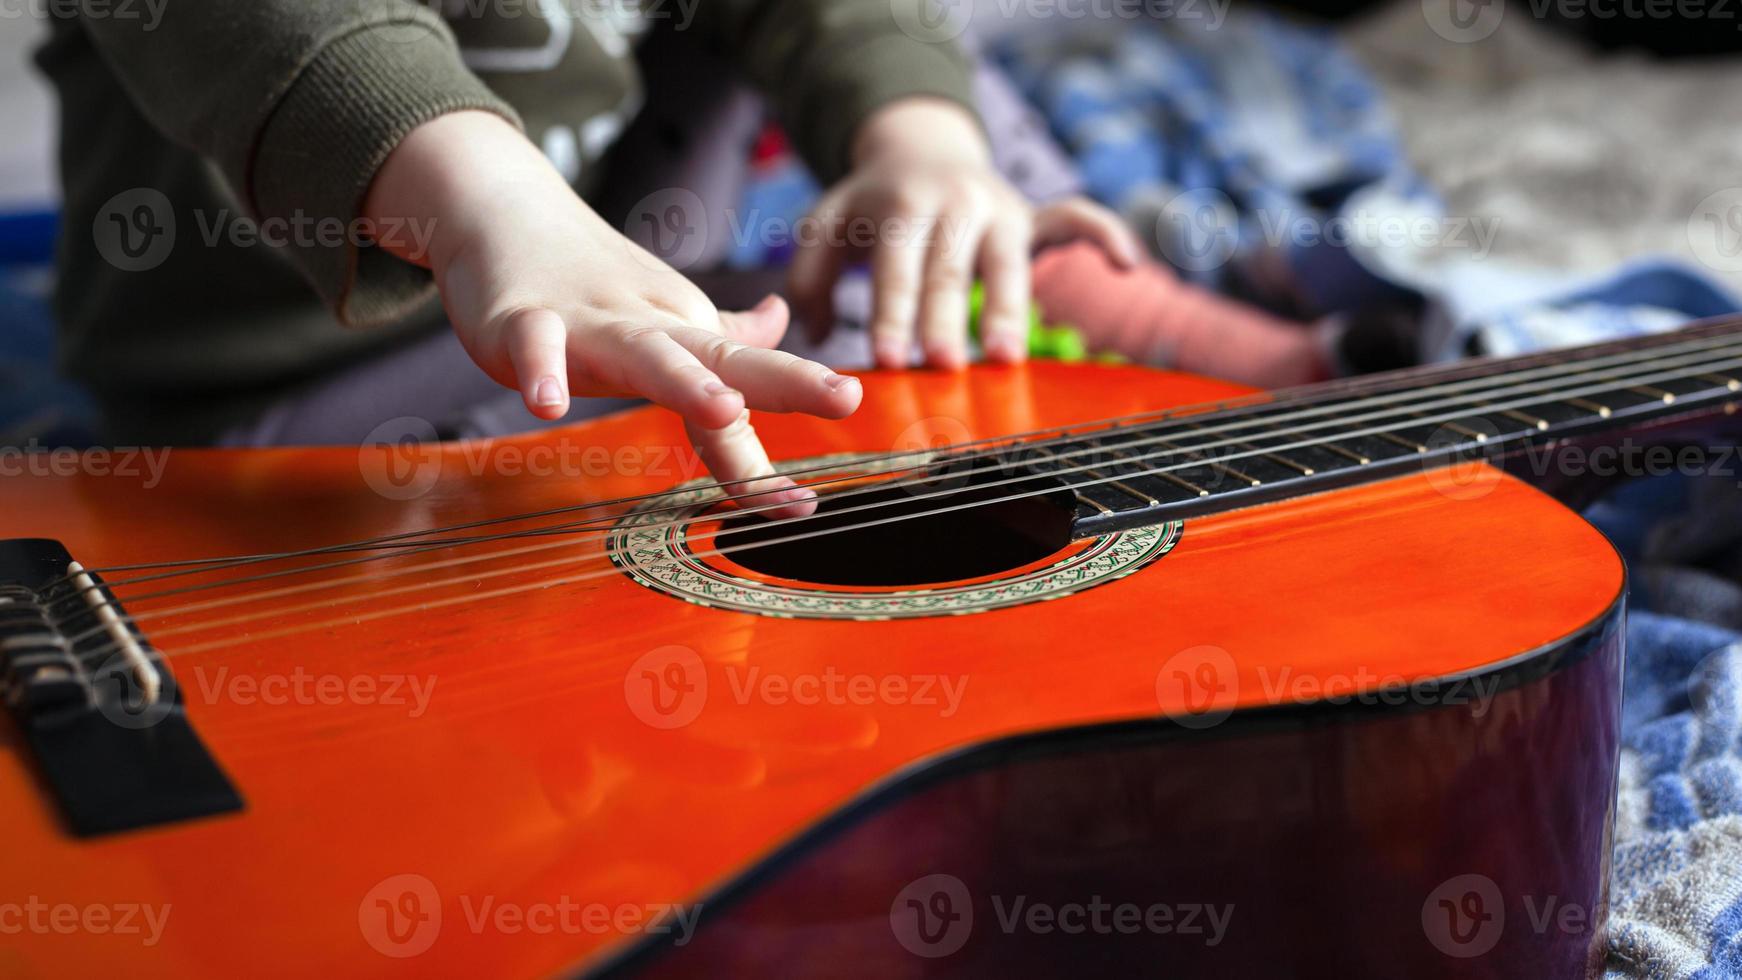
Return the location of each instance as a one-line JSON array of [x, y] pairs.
[[1103, 508], [1178, 481], [1346, 453], [1212, 464], [1652, 391], [1455, 427], [1399, 440], [1603, 411], [1339, 450], [1536, 422], [1113, 482], [1300, 468]]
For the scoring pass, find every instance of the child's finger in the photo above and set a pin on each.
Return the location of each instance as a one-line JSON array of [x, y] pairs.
[[537, 344], [1081, 219], [772, 380], [1004, 271], [895, 272], [816, 266], [949, 266], [760, 326], [646, 360], [734, 455]]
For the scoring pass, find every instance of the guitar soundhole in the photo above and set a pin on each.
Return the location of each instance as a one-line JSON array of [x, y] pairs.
[[911, 545]]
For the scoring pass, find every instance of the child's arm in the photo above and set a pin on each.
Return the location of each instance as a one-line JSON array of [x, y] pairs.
[[296, 103], [552, 301]]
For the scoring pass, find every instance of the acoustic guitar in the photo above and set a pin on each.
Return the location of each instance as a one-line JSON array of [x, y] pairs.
[[1077, 669]]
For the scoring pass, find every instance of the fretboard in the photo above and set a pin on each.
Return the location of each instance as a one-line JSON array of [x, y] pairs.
[[1209, 458]]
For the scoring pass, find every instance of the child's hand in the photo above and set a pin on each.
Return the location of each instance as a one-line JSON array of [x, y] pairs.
[[924, 204], [552, 301]]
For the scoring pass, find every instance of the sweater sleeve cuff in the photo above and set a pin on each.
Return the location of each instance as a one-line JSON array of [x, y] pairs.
[[314, 160], [856, 82]]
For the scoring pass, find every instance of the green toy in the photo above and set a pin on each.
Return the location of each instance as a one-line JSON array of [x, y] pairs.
[[1057, 342]]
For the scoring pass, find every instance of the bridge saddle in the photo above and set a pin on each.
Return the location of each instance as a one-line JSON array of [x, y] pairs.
[[98, 708]]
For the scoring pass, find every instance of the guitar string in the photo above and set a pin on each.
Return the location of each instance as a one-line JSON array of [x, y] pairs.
[[1261, 401], [1580, 367], [546, 583], [1190, 450]]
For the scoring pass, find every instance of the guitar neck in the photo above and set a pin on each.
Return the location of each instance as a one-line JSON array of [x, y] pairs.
[[1212, 458]]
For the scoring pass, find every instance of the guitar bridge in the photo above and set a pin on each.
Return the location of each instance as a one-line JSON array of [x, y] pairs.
[[98, 708]]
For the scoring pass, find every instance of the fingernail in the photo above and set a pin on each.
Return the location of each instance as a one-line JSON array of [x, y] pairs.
[[717, 390], [797, 494], [1003, 348], [550, 392], [946, 357], [839, 381]]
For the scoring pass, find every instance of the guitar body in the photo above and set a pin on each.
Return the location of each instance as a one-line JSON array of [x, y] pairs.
[[1368, 732]]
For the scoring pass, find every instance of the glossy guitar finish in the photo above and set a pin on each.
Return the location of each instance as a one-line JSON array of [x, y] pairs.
[[1162, 737]]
